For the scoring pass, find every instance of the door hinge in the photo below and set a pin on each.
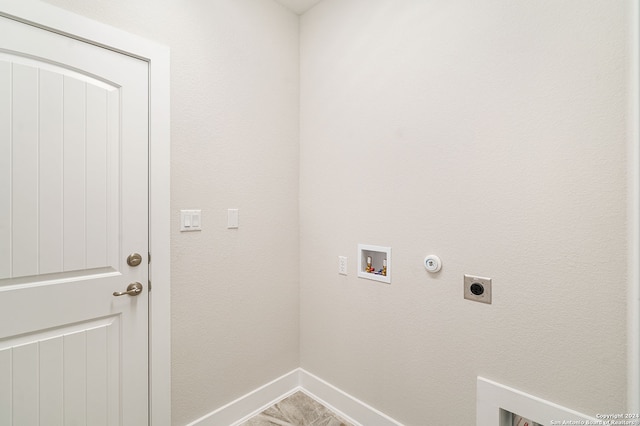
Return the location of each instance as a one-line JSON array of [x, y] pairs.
[[149, 284], [149, 257]]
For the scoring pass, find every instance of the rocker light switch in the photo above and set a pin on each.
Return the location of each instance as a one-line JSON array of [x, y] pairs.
[[190, 220], [232, 218]]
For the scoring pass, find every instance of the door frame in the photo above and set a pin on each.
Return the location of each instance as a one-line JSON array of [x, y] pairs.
[[58, 20], [633, 133]]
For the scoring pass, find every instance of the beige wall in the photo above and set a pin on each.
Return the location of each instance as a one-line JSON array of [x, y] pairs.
[[234, 137], [490, 133]]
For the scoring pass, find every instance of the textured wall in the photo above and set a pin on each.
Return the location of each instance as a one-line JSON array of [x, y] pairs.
[[491, 133], [234, 136]]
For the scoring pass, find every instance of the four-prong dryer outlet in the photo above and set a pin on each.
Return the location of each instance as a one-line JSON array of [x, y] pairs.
[[477, 289]]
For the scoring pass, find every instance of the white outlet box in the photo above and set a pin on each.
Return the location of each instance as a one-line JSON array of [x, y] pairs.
[[342, 265]]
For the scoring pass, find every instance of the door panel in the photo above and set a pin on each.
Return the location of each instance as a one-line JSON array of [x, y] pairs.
[[5, 170], [50, 184], [73, 205], [65, 372], [57, 181], [24, 161]]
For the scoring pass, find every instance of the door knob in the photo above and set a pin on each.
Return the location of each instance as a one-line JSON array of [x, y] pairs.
[[133, 289]]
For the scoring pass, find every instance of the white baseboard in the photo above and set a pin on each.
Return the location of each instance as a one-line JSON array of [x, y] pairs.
[[343, 404], [252, 403]]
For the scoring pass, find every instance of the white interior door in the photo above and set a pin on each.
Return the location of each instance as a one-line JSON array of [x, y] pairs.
[[73, 206]]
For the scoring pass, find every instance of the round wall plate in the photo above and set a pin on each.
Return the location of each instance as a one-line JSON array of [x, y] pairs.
[[432, 263]]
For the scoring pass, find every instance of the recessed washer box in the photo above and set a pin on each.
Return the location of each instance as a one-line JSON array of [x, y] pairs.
[[374, 263]]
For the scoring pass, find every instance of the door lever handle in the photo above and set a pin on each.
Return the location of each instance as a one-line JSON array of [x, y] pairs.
[[133, 289]]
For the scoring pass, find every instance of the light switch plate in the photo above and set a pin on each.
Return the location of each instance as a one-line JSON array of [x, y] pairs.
[[190, 220], [232, 218]]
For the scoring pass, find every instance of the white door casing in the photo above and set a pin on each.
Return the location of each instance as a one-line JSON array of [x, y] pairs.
[[73, 204]]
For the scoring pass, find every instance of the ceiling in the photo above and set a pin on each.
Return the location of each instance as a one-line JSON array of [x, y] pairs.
[[298, 6]]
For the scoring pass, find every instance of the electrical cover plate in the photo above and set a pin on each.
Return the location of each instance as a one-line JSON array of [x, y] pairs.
[[477, 289], [190, 220], [342, 265]]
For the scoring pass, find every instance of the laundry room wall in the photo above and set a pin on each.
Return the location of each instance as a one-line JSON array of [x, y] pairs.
[[234, 144], [494, 135]]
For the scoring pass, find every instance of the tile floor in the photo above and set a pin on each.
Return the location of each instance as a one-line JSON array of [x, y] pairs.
[[297, 410]]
